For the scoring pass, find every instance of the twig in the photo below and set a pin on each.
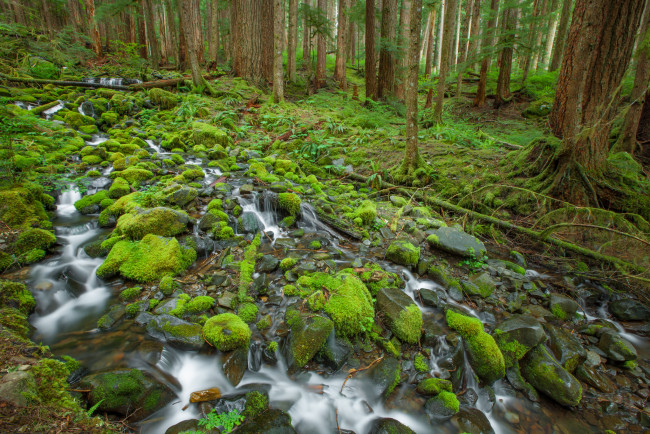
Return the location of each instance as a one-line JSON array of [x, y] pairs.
[[352, 372]]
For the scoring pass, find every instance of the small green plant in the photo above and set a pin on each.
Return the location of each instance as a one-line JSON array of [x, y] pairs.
[[92, 409], [473, 263], [226, 420]]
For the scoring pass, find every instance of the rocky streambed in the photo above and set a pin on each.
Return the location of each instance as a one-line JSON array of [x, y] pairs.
[[197, 276]]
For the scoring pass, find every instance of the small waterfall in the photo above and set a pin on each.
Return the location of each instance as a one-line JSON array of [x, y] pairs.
[[86, 108], [96, 139], [156, 147], [65, 206], [53, 110], [265, 214]]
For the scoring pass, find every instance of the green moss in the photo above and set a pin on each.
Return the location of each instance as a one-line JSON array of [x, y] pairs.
[[403, 252], [512, 351], [153, 303], [290, 290], [119, 188], [93, 174], [32, 256], [557, 312], [408, 327], [226, 332], [290, 203], [256, 403], [17, 296], [247, 267], [161, 221], [21, 208], [215, 204], [181, 305], [132, 309], [247, 312], [118, 389], [433, 386], [420, 363], [149, 259], [166, 100], [51, 384], [209, 136], [133, 175], [167, 285], [273, 346], [466, 326], [34, 239], [76, 119], [131, 293], [449, 400], [350, 304], [315, 245], [264, 323], [316, 301], [200, 304], [367, 212]]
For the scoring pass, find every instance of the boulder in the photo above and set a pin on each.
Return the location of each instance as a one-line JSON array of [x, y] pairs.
[[267, 264], [235, 364], [178, 333], [629, 310], [182, 196], [402, 315], [388, 426], [227, 332], [517, 335], [335, 352], [402, 252], [272, 421], [436, 297], [472, 420], [384, 376], [162, 221], [546, 375], [563, 307], [14, 386], [615, 347], [308, 334], [441, 407], [566, 347], [457, 242]]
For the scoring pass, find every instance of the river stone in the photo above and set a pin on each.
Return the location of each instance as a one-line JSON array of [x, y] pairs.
[[271, 421], [208, 221], [126, 392], [335, 352], [267, 264], [308, 334], [235, 364], [191, 425], [629, 310], [615, 347], [388, 426], [205, 395], [161, 221], [15, 385], [457, 242], [472, 420], [432, 331], [436, 409], [563, 307], [285, 242], [566, 347], [591, 376], [402, 252], [525, 330], [109, 320], [403, 316], [486, 285], [177, 332], [436, 297], [513, 374], [383, 376], [182, 196], [546, 375], [249, 223], [227, 300]]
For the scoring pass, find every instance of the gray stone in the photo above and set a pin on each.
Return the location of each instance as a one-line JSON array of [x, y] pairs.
[[563, 307], [267, 264], [524, 329], [177, 332], [546, 375], [566, 347], [472, 420], [597, 380], [235, 364], [388, 426], [14, 385], [399, 311], [437, 411], [457, 242], [384, 375], [615, 347], [182, 196], [109, 320], [335, 352], [629, 310], [436, 297], [271, 421], [249, 223], [308, 334]]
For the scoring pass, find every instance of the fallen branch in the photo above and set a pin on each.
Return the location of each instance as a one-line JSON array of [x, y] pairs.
[[353, 372]]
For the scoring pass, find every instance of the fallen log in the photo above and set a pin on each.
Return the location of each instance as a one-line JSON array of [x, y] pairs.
[[63, 83]]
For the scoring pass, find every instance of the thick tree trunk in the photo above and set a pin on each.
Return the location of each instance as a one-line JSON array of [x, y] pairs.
[[351, 38], [505, 69], [248, 41], [560, 38], [267, 32], [190, 13], [341, 46], [371, 65], [214, 31], [306, 42], [479, 101], [292, 39], [596, 57], [164, 38], [182, 44], [278, 47], [93, 28], [404, 26], [627, 141], [237, 40], [321, 51], [386, 81], [170, 23], [142, 33], [152, 39], [538, 37], [447, 41]]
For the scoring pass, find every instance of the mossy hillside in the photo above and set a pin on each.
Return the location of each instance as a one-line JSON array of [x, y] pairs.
[[226, 332], [147, 260], [484, 354]]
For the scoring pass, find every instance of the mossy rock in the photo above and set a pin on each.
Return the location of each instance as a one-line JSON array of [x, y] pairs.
[[147, 260], [403, 316], [308, 335], [91, 204], [537, 109], [76, 119], [119, 188], [227, 332], [442, 407], [161, 221], [34, 239], [402, 252], [289, 203], [166, 100], [16, 295], [110, 118], [457, 242], [517, 335], [210, 136], [21, 207], [367, 212], [433, 386], [133, 175], [387, 425]]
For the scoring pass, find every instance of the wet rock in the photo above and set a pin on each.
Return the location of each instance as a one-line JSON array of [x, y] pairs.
[[335, 352], [109, 320], [516, 336], [441, 407], [235, 364], [227, 300], [629, 310], [308, 334], [182, 196], [472, 420], [546, 375], [518, 382], [384, 376], [205, 395], [143, 318], [269, 355], [388, 426], [403, 316], [267, 264], [15, 385], [433, 297], [457, 242], [402, 252], [177, 332], [433, 386], [289, 243], [563, 307], [126, 392], [566, 347], [249, 223], [591, 376], [615, 347], [432, 331], [190, 425], [271, 421]]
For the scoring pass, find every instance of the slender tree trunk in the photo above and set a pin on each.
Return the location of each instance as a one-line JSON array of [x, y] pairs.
[[190, 13], [627, 139], [170, 23], [93, 28], [321, 51], [371, 65], [351, 38], [341, 46], [463, 53], [479, 101], [306, 39], [550, 38], [142, 33], [292, 39], [386, 81], [538, 38], [164, 38], [405, 28], [505, 69], [446, 47], [278, 47], [152, 39], [532, 34], [456, 45], [428, 64], [214, 31], [182, 44], [560, 39], [472, 46], [441, 29], [598, 52]]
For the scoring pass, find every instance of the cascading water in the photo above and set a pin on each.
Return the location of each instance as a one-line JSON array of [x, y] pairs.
[[264, 211]]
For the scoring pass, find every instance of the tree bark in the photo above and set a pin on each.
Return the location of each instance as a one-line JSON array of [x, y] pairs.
[[341, 45], [278, 47], [371, 65], [447, 41], [152, 40], [386, 81], [306, 42], [351, 38], [550, 38], [292, 39], [479, 101], [505, 69], [321, 51], [170, 22], [93, 28], [267, 32], [190, 13], [214, 31], [404, 40], [532, 34], [182, 44], [441, 28], [472, 46], [457, 31], [596, 57], [428, 64], [560, 39], [464, 52]]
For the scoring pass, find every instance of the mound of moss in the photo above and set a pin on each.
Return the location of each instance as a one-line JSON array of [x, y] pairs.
[[290, 203], [227, 332], [161, 221], [34, 239]]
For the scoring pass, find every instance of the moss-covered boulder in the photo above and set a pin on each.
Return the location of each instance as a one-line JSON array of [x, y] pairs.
[[537, 109], [22, 207], [565, 346], [517, 335], [365, 214], [16, 295], [76, 119], [387, 425], [563, 307], [181, 196], [227, 332], [119, 188], [350, 304], [615, 347], [34, 238], [402, 315], [91, 204], [126, 392], [147, 260], [433, 386], [485, 357], [442, 407], [546, 375], [308, 335], [161, 221], [457, 242], [177, 332], [209, 135], [402, 252], [289, 203], [162, 98], [133, 175]]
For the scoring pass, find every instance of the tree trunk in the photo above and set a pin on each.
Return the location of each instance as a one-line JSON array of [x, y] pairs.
[[428, 64], [447, 41], [321, 51], [152, 39], [457, 31], [505, 69], [412, 159], [533, 32], [404, 26], [386, 81], [306, 42], [463, 53], [214, 31], [278, 73], [164, 38], [142, 34], [550, 38], [292, 39], [441, 28], [248, 43], [170, 23], [351, 38], [371, 65], [472, 46], [182, 44], [596, 57], [479, 101], [190, 13], [560, 39], [267, 32], [627, 141], [341, 45], [93, 28]]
